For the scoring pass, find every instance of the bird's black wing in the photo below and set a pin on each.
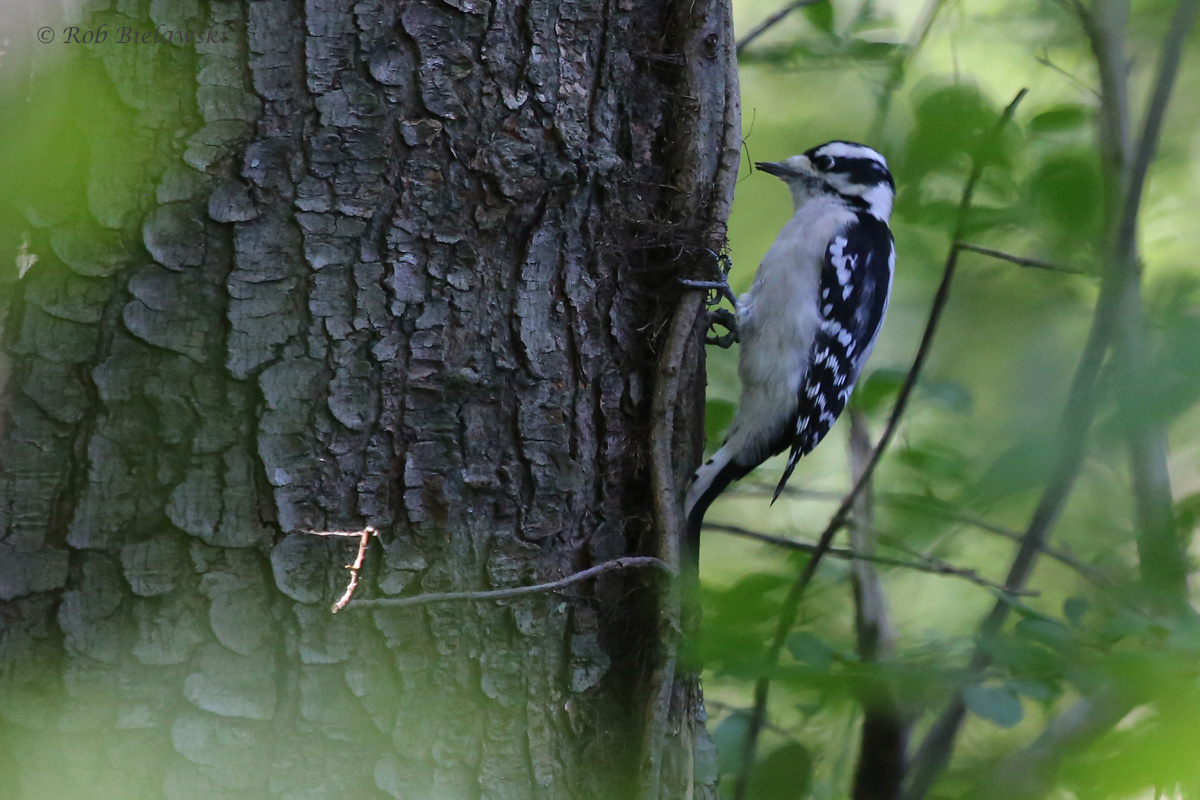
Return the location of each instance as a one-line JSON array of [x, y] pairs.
[[855, 283]]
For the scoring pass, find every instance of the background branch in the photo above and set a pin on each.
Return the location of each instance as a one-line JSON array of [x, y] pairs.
[[1064, 557], [771, 22], [1106, 31], [1164, 567], [885, 728], [1019, 260], [926, 564]]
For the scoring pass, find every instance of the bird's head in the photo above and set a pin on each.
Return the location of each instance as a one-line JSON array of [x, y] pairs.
[[855, 172]]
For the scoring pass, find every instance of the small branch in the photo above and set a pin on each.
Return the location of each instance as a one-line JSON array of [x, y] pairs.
[[927, 564], [1044, 59], [1087, 571], [771, 22], [791, 604], [628, 562], [364, 538], [1020, 260]]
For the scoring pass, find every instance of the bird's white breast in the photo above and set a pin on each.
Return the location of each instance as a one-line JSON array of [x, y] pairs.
[[778, 319]]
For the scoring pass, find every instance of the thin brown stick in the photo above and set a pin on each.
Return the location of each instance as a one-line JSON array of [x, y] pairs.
[[1064, 557], [627, 562], [791, 604], [927, 564], [364, 538], [771, 22], [1043, 59], [1019, 260]]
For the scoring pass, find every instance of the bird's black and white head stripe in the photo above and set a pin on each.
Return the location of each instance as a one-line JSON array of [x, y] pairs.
[[856, 173]]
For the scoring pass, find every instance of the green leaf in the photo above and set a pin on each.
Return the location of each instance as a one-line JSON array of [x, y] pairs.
[[809, 649], [728, 738], [820, 15], [717, 416], [1021, 467], [931, 459], [880, 387], [862, 50], [997, 704], [1039, 691], [949, 395], [1067, 191], [1061, 118], [952, 121], [1053, 634], [1074, 608], [1187, 512], [786, 774]]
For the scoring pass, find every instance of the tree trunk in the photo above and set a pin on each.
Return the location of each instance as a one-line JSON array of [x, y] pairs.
[[342, 264]]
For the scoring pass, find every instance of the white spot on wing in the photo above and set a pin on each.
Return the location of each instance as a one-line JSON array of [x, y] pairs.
[[843, 264]]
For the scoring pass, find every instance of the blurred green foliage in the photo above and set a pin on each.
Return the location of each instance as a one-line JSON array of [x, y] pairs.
[[977, 440]]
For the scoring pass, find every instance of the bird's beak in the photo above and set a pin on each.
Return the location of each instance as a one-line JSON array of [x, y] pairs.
[[777, 169]]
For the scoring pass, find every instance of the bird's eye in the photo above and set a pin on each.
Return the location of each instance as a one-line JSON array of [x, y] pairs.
[[824, 163]]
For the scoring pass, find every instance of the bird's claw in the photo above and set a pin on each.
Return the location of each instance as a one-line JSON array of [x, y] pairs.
[[726, 319], [720, 287]]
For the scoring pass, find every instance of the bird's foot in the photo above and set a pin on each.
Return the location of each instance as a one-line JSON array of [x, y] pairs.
[[721, 285], [726, 319]]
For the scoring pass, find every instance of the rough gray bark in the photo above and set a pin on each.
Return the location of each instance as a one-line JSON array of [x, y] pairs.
[[360, 263]]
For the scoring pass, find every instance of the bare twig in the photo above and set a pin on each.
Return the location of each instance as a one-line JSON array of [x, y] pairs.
[[1019, 260], [1064, 557], [927, 564], [1107, 36], [791, 604], [771, 22], [627, 562], [364, 538], [1044, 59]]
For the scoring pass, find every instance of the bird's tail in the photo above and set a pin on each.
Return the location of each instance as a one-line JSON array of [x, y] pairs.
[[709, 481]]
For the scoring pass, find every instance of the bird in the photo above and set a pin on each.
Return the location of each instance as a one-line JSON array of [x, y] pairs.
[[808, 323]]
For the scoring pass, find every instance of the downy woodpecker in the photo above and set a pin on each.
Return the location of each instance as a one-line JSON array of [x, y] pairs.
[[808, 323]]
